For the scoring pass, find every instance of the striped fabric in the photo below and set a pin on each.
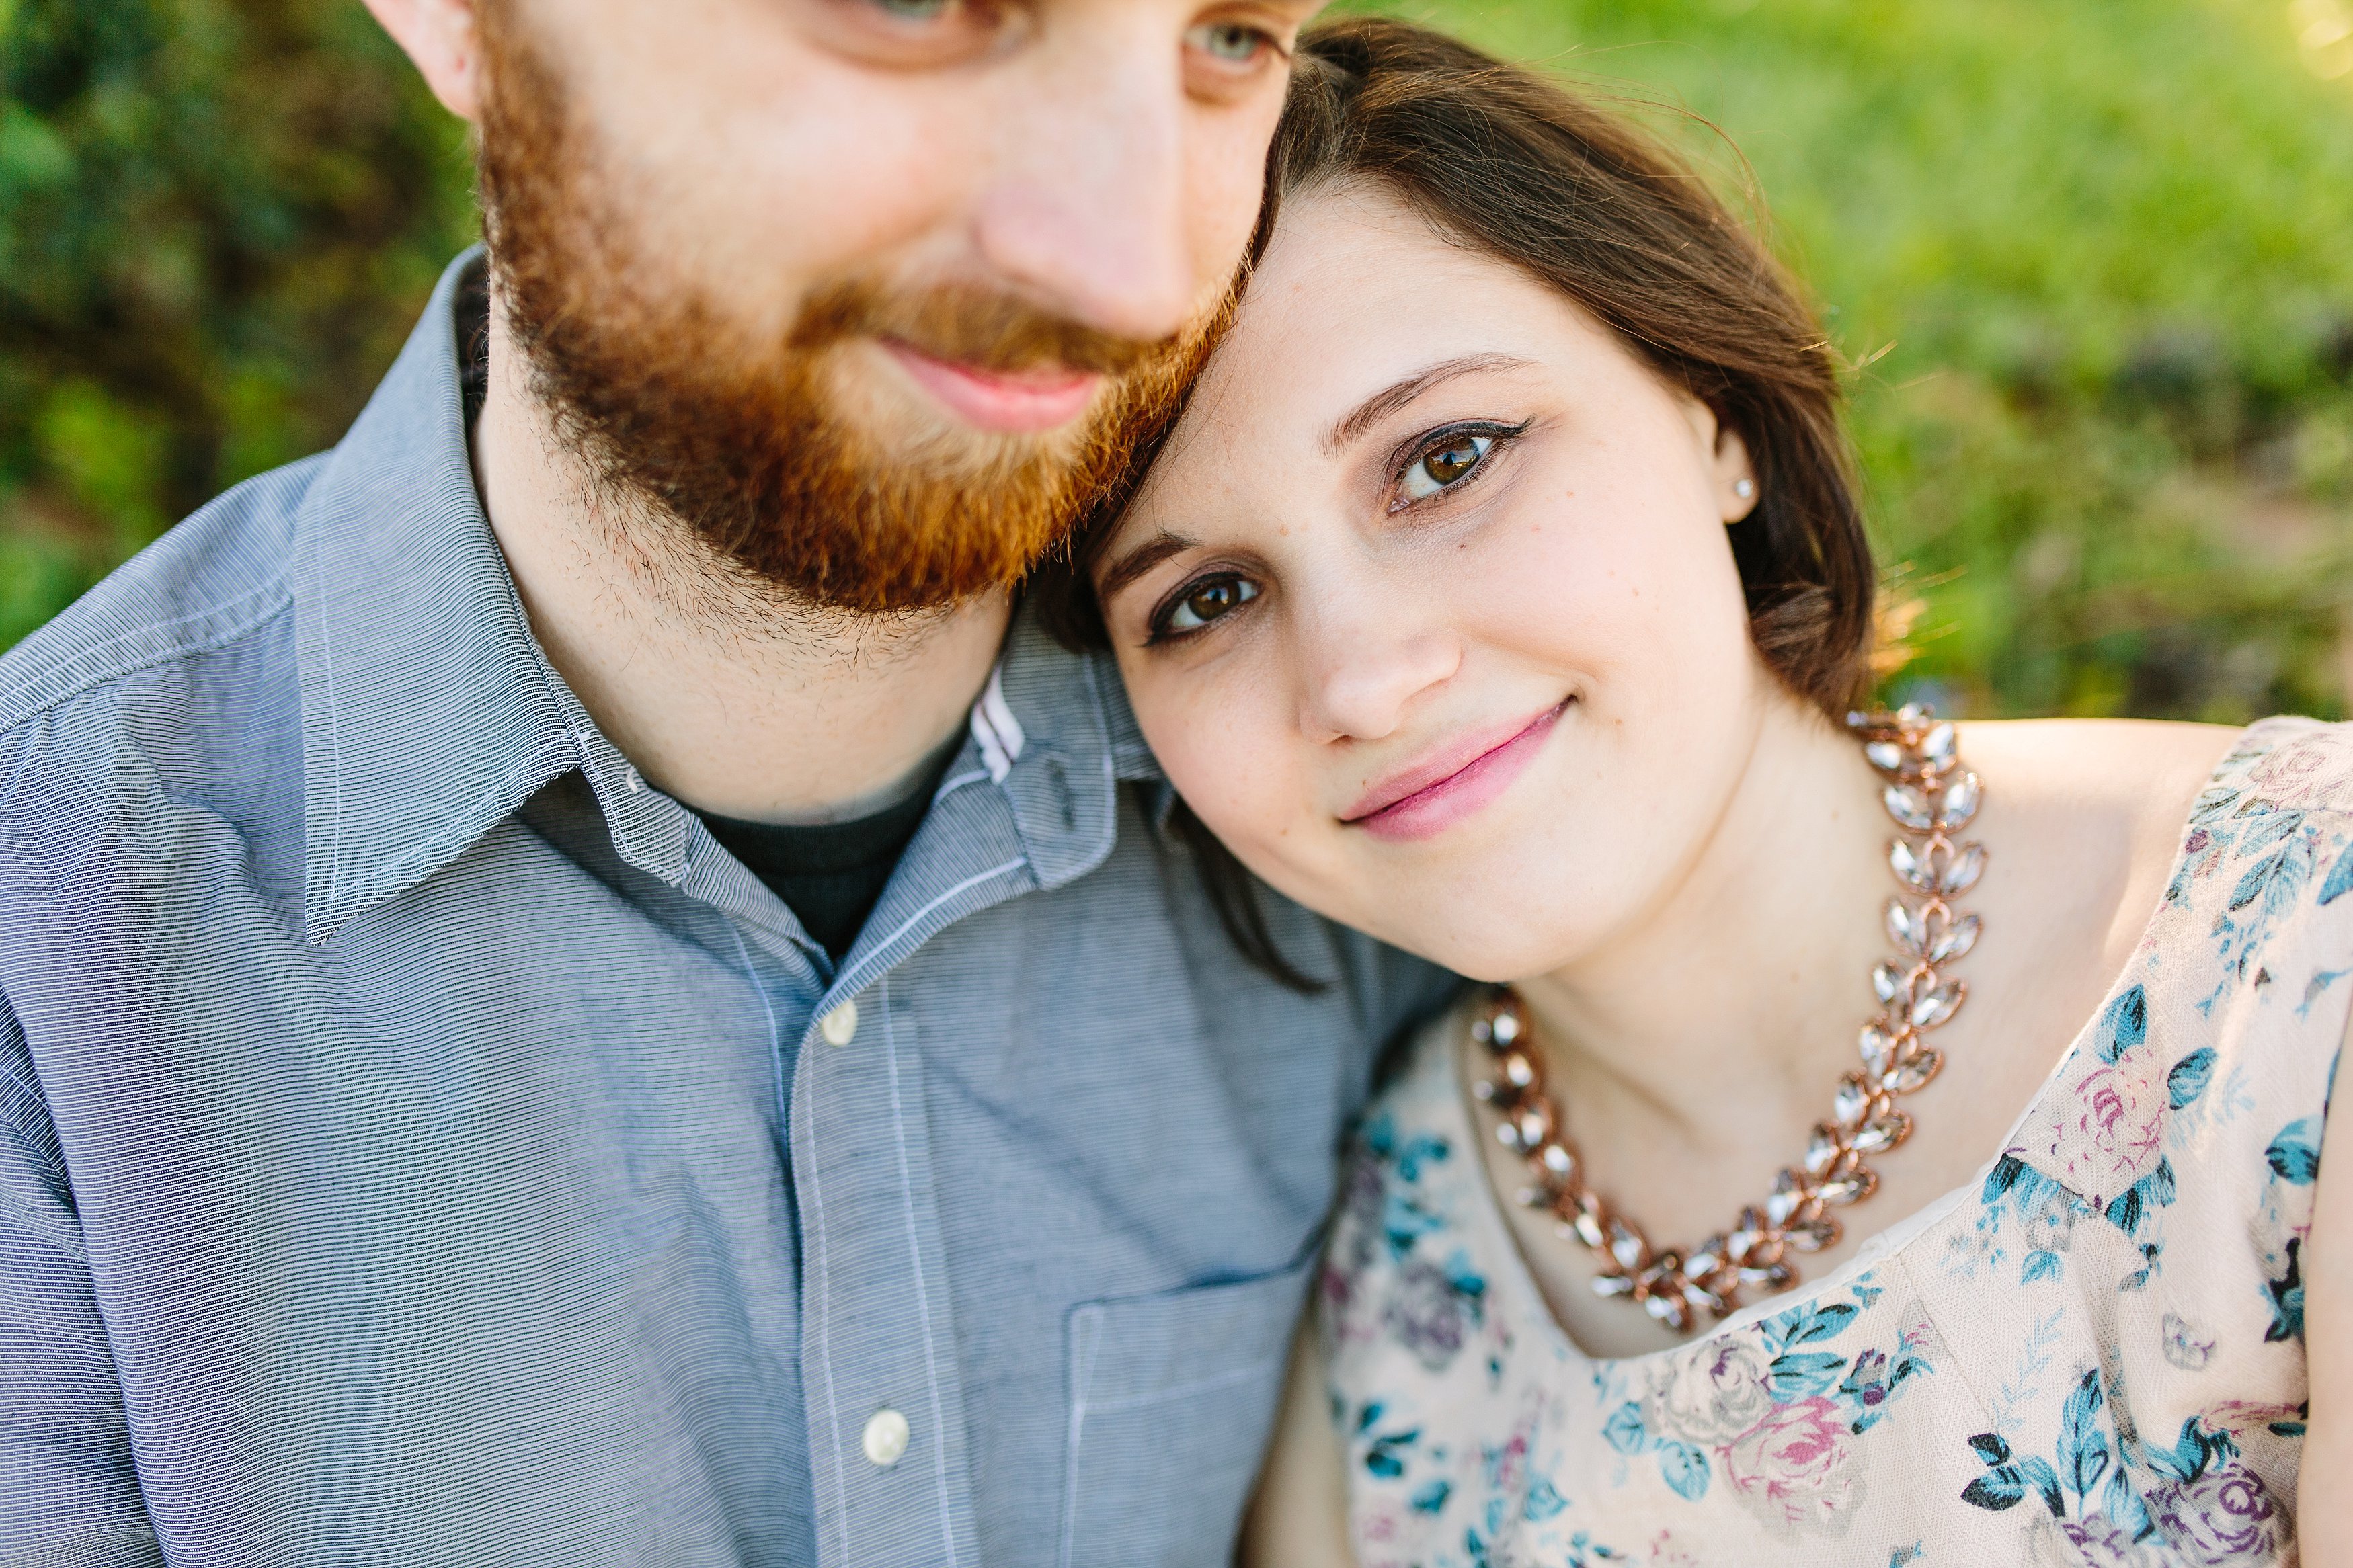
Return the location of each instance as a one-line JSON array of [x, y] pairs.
[[422, 1143]]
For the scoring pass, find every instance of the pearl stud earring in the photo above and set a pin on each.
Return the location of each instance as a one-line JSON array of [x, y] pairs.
[[1744, 489]]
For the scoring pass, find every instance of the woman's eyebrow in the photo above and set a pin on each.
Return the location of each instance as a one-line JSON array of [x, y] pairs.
[[1127, 568], [1387, 401]]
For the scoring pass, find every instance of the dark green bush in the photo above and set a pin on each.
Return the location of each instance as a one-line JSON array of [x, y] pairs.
[[216, 220]]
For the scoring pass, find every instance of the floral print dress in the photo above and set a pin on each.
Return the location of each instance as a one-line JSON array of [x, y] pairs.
[[2091, 1355]]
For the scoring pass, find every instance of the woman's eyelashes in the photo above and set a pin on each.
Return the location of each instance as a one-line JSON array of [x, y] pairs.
[[1202, 601], [1432, 465], [1446, 461]]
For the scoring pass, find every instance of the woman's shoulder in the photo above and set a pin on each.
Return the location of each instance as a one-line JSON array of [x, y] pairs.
[[2109, 816], [2264, 846], [2265, 860], [2240, 841], [2144, 767], [2285, 765], [2136, 765]]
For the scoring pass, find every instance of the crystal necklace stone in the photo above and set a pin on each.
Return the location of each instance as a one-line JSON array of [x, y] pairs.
[[1930, 797]]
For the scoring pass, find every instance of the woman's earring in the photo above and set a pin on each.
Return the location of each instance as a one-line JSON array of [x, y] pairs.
[[1744, 489]]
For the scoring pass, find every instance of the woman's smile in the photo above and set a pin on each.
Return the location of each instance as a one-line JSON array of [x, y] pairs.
[[1455, 781]]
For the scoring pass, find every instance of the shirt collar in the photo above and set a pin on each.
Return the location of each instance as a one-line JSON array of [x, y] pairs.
[[1071, 738], [429, 712]]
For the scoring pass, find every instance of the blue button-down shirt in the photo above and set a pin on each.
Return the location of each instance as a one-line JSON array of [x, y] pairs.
[[420, 1142]]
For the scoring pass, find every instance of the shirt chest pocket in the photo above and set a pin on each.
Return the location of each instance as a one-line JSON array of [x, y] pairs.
[[1172, 1400]]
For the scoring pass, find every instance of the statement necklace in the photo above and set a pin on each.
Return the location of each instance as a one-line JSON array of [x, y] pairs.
[[1931, 797]]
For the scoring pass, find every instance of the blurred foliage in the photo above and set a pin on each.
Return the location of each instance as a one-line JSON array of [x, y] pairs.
[[218, 218], [2093, 259]]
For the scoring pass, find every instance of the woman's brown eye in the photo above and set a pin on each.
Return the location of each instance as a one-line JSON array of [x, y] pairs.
[[1207, 600], [1451, 464], [1443, 466]]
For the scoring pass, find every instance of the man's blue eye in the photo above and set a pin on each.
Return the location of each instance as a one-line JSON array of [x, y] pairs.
[[914, 10], [1231, 42], [1208, 600]]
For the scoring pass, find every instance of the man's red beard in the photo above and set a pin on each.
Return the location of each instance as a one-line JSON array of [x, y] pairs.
[[747, 444]]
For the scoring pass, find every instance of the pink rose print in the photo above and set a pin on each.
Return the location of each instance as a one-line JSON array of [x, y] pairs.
[[1793, 1470], [1509, 1468], [2101, 1133], [1666, 1552], [2309, 771], [2201, 854], [2241, 1416]]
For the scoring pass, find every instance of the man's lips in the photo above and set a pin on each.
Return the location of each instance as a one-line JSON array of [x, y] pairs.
[[1454, 782], [1007, 402]]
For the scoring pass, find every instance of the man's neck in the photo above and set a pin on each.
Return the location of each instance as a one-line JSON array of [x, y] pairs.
[[725, 692]]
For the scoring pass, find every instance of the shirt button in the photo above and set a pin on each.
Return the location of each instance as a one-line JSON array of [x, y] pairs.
[[841, 1026], [886, 1438]]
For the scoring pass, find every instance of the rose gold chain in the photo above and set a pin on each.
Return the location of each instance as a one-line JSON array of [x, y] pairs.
[[1931, 798]]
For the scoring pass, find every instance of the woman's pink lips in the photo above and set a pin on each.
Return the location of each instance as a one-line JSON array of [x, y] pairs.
[[1427, 800], [1007, 402]]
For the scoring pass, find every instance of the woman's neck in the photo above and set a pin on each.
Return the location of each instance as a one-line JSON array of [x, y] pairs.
[[1715, 1024]]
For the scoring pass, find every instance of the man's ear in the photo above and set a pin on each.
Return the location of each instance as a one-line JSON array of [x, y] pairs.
[[443, 37]]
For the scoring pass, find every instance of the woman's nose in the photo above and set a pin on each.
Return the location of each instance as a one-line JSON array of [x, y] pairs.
[[1361, 679]]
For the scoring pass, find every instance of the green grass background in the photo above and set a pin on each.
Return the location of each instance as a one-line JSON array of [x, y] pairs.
[[2098, 255]]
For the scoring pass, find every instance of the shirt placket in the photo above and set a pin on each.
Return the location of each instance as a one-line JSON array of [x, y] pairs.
[[880, 1372], [878, 1356]]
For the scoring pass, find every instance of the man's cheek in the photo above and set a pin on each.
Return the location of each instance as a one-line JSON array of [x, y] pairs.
[[1224, 213], [775, 198]]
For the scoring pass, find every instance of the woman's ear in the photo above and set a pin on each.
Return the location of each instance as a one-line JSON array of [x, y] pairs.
[[1736, 476], [444, 38], [1727, 455]]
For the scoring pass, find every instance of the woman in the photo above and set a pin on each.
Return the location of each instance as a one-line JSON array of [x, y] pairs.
[[1786, 1196]]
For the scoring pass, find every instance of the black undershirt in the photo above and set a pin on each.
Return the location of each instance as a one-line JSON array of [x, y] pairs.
[[830, 876]]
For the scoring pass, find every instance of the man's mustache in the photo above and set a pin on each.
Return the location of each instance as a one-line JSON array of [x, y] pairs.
[[966, 325]]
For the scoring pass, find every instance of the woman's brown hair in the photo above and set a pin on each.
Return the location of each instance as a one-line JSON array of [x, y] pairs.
[[1508, 164]]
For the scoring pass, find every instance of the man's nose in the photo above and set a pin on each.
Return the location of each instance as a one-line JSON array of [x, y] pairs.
[[1087, 212], [1361, 669]]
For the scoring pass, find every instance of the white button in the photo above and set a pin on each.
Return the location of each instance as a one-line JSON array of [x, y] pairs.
[[839, 1027], [886, 1438]]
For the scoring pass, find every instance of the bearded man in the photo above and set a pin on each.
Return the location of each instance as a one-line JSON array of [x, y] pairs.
[[575, 985]]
